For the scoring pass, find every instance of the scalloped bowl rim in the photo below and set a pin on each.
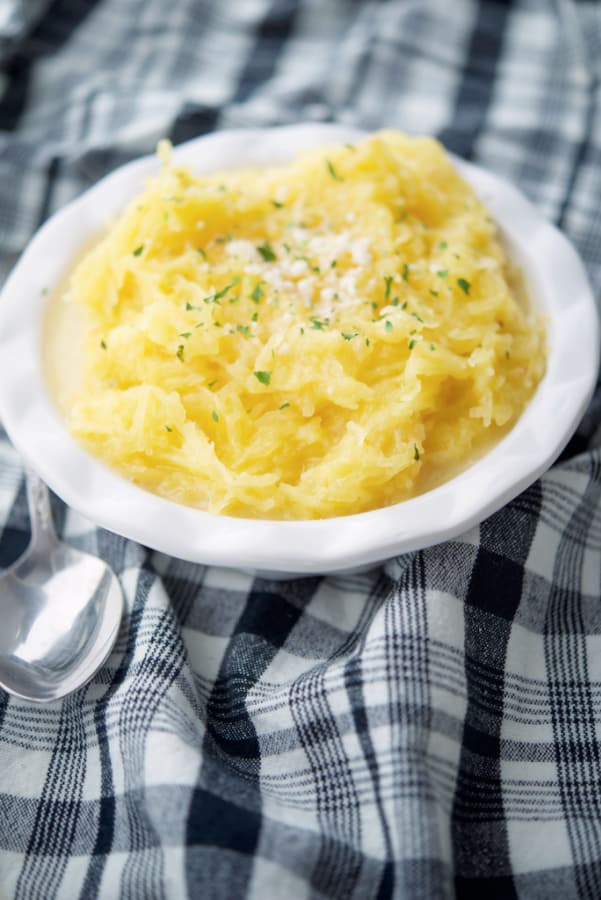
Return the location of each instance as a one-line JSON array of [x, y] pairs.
[[558, 284]]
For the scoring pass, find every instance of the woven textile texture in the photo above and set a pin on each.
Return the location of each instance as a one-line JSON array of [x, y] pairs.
[[428, 729]]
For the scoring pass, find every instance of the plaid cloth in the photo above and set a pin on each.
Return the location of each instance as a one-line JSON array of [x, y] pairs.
[[429, 729]]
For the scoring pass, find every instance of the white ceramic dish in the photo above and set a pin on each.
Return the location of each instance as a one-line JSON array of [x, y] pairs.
[[558, 284]]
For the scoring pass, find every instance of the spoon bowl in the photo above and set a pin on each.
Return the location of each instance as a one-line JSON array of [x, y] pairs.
[[60, 608]]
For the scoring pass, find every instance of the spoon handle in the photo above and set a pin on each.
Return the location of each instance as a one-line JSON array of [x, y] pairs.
[[40, 513]]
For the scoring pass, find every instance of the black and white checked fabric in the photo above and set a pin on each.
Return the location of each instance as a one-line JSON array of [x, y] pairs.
[[427, 730]]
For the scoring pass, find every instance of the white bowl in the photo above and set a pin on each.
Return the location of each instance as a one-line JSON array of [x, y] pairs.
[[558, 285]]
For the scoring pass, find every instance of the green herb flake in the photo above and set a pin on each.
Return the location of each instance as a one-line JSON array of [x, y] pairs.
[[263, 376], [168, 428], [103, 344], [367, 342], [415, 453], [464, 285], [404, 304], [267, 252], [302, 331], [387, 282], [244, 330], [443, 245], [257, 293], [419, 318], [254, 317], [412, 344], [432, 347], [277, 204], [442, 273], [218, 295], [350, 146], [332, 171], [284, 406], [202, 252], [180, 353], [214, 416], [211, 383], [333, 264], [317, 323], [139, 250], [388, 325], [395, 301], [186, 334], [405, 272], [434, 293], [349, 335]]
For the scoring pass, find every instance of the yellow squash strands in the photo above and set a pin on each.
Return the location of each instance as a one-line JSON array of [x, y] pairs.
[[301, 342]]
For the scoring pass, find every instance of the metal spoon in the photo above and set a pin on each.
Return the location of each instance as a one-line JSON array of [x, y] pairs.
[[60, 611]]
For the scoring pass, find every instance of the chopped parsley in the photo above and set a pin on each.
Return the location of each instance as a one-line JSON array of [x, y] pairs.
[[333, 264], [443, 245], [404, 304], [349, 335], [415, 452], [263, 376], [434, 293], [412, 344], [219, 295], [255, 317], [442, 273], [388, 325], [284, 406], [202, 252], [139, 250], [103, 344], [186, 334], [257, 293], [214, 416], [405, 272], [419, 318], [388, 282], [267, 252], [333, 171], [244, 330], [168, 428], [277, 204], [464, 285], [180, 353], [318, 324]]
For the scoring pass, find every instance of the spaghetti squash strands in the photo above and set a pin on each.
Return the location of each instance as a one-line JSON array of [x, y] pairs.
[[305, 341]]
